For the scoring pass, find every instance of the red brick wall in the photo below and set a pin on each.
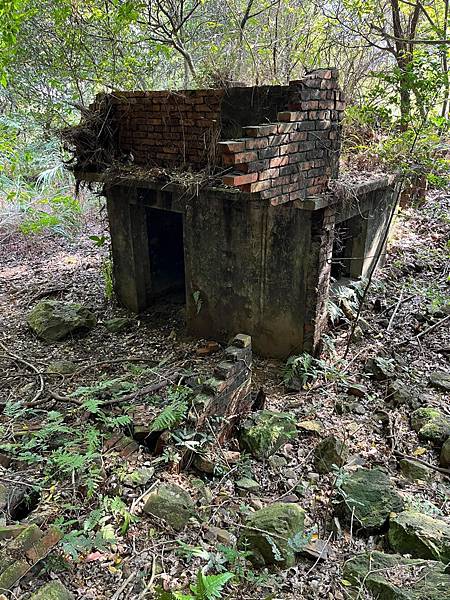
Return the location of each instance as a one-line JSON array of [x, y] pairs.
[[285, 160], [168, 128], [296, 156]]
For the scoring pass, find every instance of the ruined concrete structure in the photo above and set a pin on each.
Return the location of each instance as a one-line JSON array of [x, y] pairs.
[[250, 237]]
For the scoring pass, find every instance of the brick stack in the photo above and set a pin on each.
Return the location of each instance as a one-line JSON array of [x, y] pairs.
[[289, 159], [296, 156], [168, 128]]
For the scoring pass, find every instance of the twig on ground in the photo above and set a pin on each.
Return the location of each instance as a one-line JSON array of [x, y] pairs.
[[124, 585], [396, 304], [325, 546], [391, 320], [147, 389], [422, 462], [432, 327], [150, 581], [38, 394]]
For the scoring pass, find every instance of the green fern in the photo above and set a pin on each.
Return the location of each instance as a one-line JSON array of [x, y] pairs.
[[207, 587], [170, 416]]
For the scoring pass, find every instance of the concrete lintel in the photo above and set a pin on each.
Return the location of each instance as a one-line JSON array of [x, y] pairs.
[[116, 178], [315, 202]]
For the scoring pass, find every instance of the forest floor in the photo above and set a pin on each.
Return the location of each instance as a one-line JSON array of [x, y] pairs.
[[55, 451]]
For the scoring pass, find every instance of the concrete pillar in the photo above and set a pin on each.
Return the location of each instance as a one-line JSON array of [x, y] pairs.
[[130, 248]]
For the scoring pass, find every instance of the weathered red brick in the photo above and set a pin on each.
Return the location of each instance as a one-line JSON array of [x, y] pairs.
[[269, 174], [239, 179], [260, 130], [278, 161], [253, 167], [239, 157], [291, 116], [256, 143]]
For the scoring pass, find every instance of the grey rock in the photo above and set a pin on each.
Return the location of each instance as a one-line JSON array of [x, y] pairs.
[[380, 368], [62, 367], [139, 477], [445, 454], [172, 504], [398, 394], [440, 380], [431, 425], [52, 591], [330, 451], [414, 470], [420, 536], [277, 462], [118, 324], [245, 485], [393, 577], [270, 534]]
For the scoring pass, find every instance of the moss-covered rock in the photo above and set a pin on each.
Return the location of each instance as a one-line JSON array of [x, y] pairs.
[[53, 320], [414, 471], [420, 535], [62, 367], [246, 485], [431, 425], [139, 477], [269, 534], [393, 577], [118, 324], [172, 504], [367, 497], [330, 451], [445, 454], [52, 591], [399, 394], [11, 574], [266, 431]]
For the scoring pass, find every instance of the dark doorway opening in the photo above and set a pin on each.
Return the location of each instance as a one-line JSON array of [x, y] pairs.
[[342, 251], [166, 250]]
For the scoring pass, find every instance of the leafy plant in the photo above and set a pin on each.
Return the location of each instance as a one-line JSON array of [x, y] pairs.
[[172, 414], [108, 278], [206, 587], [299, 368]]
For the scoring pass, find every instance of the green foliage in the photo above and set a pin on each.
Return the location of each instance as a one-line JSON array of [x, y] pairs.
[[299, 368], [172, 414], [304, 369], [108, 278], [36, 192], [97, 532], [206, 587]]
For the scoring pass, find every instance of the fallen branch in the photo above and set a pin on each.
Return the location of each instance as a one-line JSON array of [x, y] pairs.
[[433, 327], [423, 462], [391, 306], [110, 362], [35, 399], [397, 306], [170, 377]]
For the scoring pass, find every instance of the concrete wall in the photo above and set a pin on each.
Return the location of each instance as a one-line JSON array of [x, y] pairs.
[[249, 266]]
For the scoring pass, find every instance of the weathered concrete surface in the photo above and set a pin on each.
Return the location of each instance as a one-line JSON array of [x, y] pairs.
[[248, 265]]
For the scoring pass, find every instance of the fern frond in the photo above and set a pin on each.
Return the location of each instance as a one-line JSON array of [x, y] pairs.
[[209, 587], [170, 416]]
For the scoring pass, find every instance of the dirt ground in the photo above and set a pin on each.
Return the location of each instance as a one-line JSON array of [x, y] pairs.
[[147, 554]]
